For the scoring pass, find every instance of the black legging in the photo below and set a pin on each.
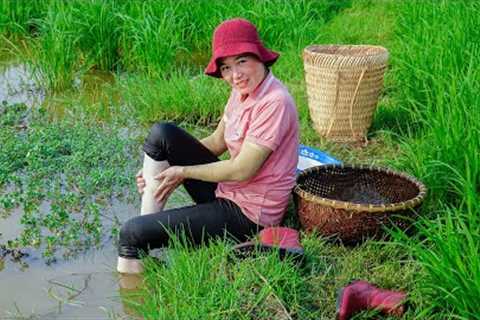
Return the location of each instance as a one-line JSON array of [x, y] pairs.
[[210, 217]]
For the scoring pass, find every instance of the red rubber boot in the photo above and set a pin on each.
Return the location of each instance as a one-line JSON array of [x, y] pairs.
[[361, 295], [285, 240]]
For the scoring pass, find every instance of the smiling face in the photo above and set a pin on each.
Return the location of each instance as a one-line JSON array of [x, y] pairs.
[[243, 72]]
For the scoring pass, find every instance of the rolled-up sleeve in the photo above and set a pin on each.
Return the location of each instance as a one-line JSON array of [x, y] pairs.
[[269, 123]]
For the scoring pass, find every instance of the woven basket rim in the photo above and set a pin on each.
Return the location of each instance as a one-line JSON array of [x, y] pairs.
[[337, 57], [337, 204], [379, 49]]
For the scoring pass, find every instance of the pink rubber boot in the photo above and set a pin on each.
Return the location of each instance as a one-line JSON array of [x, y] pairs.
[[361, 295], [283, 239]]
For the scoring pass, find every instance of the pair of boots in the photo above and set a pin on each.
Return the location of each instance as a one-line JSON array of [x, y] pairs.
[[355, 297], [284, 240]]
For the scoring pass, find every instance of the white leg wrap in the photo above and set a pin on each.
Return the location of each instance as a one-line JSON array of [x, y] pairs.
[[150, 169]]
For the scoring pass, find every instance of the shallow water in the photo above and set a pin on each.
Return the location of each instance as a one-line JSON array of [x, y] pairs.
[[83, 287], [30, 287], [18, 86]]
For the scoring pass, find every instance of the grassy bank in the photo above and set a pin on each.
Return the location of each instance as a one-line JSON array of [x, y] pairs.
[[212, 283], [426, 124], [152, 37], [438, 83]]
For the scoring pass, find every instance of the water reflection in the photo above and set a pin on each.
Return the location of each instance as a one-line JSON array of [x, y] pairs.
[[17, 85], [130, 289]]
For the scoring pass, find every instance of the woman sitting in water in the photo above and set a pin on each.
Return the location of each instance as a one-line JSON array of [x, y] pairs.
[[235, 197]]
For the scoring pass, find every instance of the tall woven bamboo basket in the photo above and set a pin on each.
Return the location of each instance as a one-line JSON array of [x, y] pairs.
[[343, 84]]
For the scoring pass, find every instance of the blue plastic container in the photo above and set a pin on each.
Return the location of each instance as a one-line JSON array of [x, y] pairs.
[[310, 157]]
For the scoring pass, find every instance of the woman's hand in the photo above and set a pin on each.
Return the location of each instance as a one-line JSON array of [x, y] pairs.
[[140, 181], [170, 179]]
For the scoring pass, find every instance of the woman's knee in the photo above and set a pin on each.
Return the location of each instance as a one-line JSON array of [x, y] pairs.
[[131, 233], [159, 139], [161, 132]]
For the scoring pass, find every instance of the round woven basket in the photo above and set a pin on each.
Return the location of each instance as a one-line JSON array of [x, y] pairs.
[[343, 84], [355, 202]]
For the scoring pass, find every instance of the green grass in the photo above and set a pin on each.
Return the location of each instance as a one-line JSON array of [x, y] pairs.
[[437, 51], [210, 282], [55, 54], [219, 289], [150, 99], [19, 19], [426, 124], [437, 81], [152, 37]]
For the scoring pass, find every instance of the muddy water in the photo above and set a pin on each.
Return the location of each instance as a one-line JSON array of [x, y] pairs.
[[84, 287]]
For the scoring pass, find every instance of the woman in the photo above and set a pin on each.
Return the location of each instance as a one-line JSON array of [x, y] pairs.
[[235, 197]]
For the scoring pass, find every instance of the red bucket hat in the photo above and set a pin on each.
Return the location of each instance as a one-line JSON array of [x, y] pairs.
[[234, 37]]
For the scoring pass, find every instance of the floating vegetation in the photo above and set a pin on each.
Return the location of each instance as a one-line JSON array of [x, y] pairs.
[[63, 177]]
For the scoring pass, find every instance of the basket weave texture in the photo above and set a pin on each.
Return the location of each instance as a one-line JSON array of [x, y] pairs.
[[352, 203], [343, 84]]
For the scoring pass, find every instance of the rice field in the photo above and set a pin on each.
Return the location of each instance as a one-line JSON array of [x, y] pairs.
[[110, 66]]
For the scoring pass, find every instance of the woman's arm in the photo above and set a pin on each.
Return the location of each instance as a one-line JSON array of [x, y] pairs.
[[216, 141], [241, 168]]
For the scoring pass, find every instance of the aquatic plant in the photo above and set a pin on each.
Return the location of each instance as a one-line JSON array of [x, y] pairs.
[[63, 176]]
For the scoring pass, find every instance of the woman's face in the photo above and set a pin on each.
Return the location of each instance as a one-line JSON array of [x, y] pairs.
[[243, 72]]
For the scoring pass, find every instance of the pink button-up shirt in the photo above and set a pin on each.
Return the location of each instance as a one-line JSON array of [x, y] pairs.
[[268, 117]]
